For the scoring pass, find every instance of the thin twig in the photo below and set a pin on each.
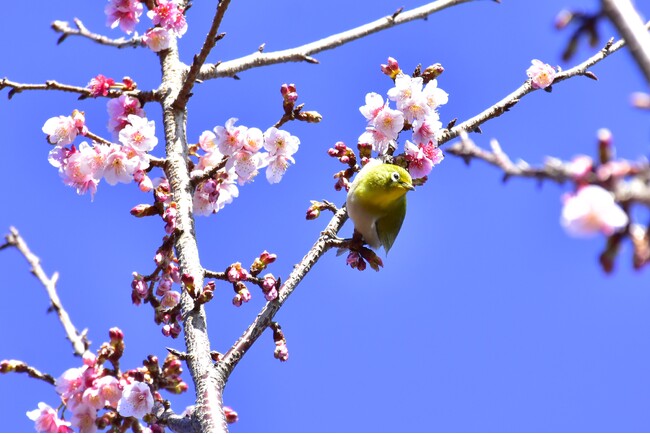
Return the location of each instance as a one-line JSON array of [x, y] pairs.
[[210, 41], [84, 92], [79, 341], [509, 101], [304, 52], [81, 30], [325, 242], [22, 367]]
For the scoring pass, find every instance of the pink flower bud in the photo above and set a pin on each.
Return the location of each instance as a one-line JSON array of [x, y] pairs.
[[231, 415]]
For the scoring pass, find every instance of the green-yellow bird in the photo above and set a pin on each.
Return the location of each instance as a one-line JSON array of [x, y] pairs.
[[376, 202]]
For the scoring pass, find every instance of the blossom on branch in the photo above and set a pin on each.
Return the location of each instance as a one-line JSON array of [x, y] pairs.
[[592, 210], [158, 39], [46, 419], [541, 74], [123, 13], [136, 400]]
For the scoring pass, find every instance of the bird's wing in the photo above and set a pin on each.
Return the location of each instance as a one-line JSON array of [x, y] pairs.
[[389, 225]]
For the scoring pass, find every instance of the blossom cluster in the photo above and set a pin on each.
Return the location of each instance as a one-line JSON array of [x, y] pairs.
[[238, 150], [83, 166], [87, 390], [416, 103], [167, 17]]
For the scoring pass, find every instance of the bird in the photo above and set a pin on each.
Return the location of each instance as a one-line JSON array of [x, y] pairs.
[[376, 202]]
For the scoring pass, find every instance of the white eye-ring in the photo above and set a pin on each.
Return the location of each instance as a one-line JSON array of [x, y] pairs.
[[394, 176]]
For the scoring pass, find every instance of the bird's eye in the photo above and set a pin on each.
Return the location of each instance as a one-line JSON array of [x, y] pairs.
[[394, 176]]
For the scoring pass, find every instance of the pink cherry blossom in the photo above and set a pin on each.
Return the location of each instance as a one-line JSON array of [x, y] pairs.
[[376, 139], [136, 400], [253, 140], [277, 166], [70, 382], [158, 39], [419, 164], [422, 158], [592, 210], [207, 141], [212, 195], [83, 417], [46, 419], [109, 390], [61, 130], [123, 13], [434, 95], [120, 167], [169, 16], [209, 160], [229, 138], [79, 169], [389, 122], [425, 130], [246, 165], [139, 134], [100, 85], [281, 146], [119, 109], [170, 299], [541, 74], [374, 103], [409, 97]]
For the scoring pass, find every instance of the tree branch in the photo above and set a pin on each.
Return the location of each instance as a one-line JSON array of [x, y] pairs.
[[84, 92], [326, 241], [210, 41], [79, 341], [509, 101], [630, 26], [22, 367], [64, 28], [304, 52], [635, 190], [209, 389]]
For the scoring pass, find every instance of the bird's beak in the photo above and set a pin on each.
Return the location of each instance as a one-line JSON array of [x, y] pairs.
[[407, 186]]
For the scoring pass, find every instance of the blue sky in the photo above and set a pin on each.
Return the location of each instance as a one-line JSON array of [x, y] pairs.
[[486, 317]]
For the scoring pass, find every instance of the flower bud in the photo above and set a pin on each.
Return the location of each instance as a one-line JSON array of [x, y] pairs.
[[391, 68]]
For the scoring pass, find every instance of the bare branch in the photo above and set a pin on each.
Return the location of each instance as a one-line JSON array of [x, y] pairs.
[[210, 41], [81, 30], [630, 26], [325, 242], [79, 341], [304, 52], [22, 367], [509, 101]]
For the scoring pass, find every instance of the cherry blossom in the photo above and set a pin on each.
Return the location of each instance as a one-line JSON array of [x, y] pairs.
[[119, 109], [46, 420], [123, 13], [169, 16], [62, 130], [100, 85], [158, 39], [139, 134], [229, 138], [136, 400], [592, 210], [281, 146], [422, 158], [541, 74]]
